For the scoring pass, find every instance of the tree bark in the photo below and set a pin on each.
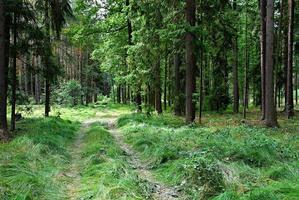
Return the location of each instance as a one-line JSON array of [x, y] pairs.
[[165, 79], [14, 76], [245, 91], [47, 75], [290, 96], [263, 15], [235, 70], [177, 84], [157, 69], [190, 61], [3, 71], [270, 110]]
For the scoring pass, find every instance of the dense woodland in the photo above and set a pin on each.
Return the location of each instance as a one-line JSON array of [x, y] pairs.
[[188, 59], [187, 56]]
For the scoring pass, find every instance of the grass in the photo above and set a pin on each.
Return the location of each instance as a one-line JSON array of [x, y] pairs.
[[105, 172], [225, 159], [30, 164], [36, 163]]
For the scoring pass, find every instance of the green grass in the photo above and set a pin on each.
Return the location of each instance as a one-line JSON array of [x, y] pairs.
[[225, 159], [31, 163], [105, 173]]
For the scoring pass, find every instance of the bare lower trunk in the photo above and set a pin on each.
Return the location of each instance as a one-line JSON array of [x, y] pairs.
[[14, 78], [177, 83], [235, 71], [270, 111], [290, 98], [263, 4], [3, 72], [47, 100], [190, 62]]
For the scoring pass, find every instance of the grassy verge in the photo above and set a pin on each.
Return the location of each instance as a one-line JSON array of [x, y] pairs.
[[105, 173], [223, 160], [31, 163]]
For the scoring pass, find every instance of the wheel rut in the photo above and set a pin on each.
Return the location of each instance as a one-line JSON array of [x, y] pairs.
[[159, 190]]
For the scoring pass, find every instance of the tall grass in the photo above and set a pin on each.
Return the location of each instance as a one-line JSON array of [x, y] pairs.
[[232, 161], [31, 163], [105, 171]]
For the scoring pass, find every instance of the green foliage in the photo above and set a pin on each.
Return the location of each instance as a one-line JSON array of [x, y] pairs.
[[69, 93]]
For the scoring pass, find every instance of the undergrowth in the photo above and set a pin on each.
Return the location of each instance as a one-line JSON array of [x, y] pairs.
[[218, 161], [31, 163], [105, 172]]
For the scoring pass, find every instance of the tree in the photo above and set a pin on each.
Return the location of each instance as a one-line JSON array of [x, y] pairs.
[[235, 68], [3, 72], [289, 95], [55, 13], [270, 110], [190, 61], [263, 15]]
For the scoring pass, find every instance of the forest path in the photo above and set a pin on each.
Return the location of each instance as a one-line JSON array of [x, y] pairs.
[[159, 191], [73, 172]]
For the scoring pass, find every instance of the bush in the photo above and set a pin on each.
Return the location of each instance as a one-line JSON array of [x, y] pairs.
[[206, 174], [69, 93]]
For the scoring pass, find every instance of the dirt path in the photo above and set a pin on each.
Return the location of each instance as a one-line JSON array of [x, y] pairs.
[[159, 190], [73, 173]]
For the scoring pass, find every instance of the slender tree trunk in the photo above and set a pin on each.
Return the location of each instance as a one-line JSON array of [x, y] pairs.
[[37, 89], [201, 95], [270, 111], [26, 75], [157, 68], [139, 99], [290, 96], [285, 50], [263, 7], [245, 93], [165, 79], [190, 61], [235, 70], [177, 83], [3, 72], [118, 97], [14, 76], [47, 75], [296, 85]]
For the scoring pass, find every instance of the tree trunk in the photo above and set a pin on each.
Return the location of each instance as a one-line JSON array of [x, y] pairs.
[[263, 15], [47, 75], [290, 97], [285, 50], [157, 69], [14, 76], [245, 93], [177, 84], [190, 61], [270, 111], [3, 71], [165, 78], [235, 70], [138, 99], [118, 97], [201, 91]]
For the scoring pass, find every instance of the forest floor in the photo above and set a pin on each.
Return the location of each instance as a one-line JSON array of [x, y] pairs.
[[109, 152]]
